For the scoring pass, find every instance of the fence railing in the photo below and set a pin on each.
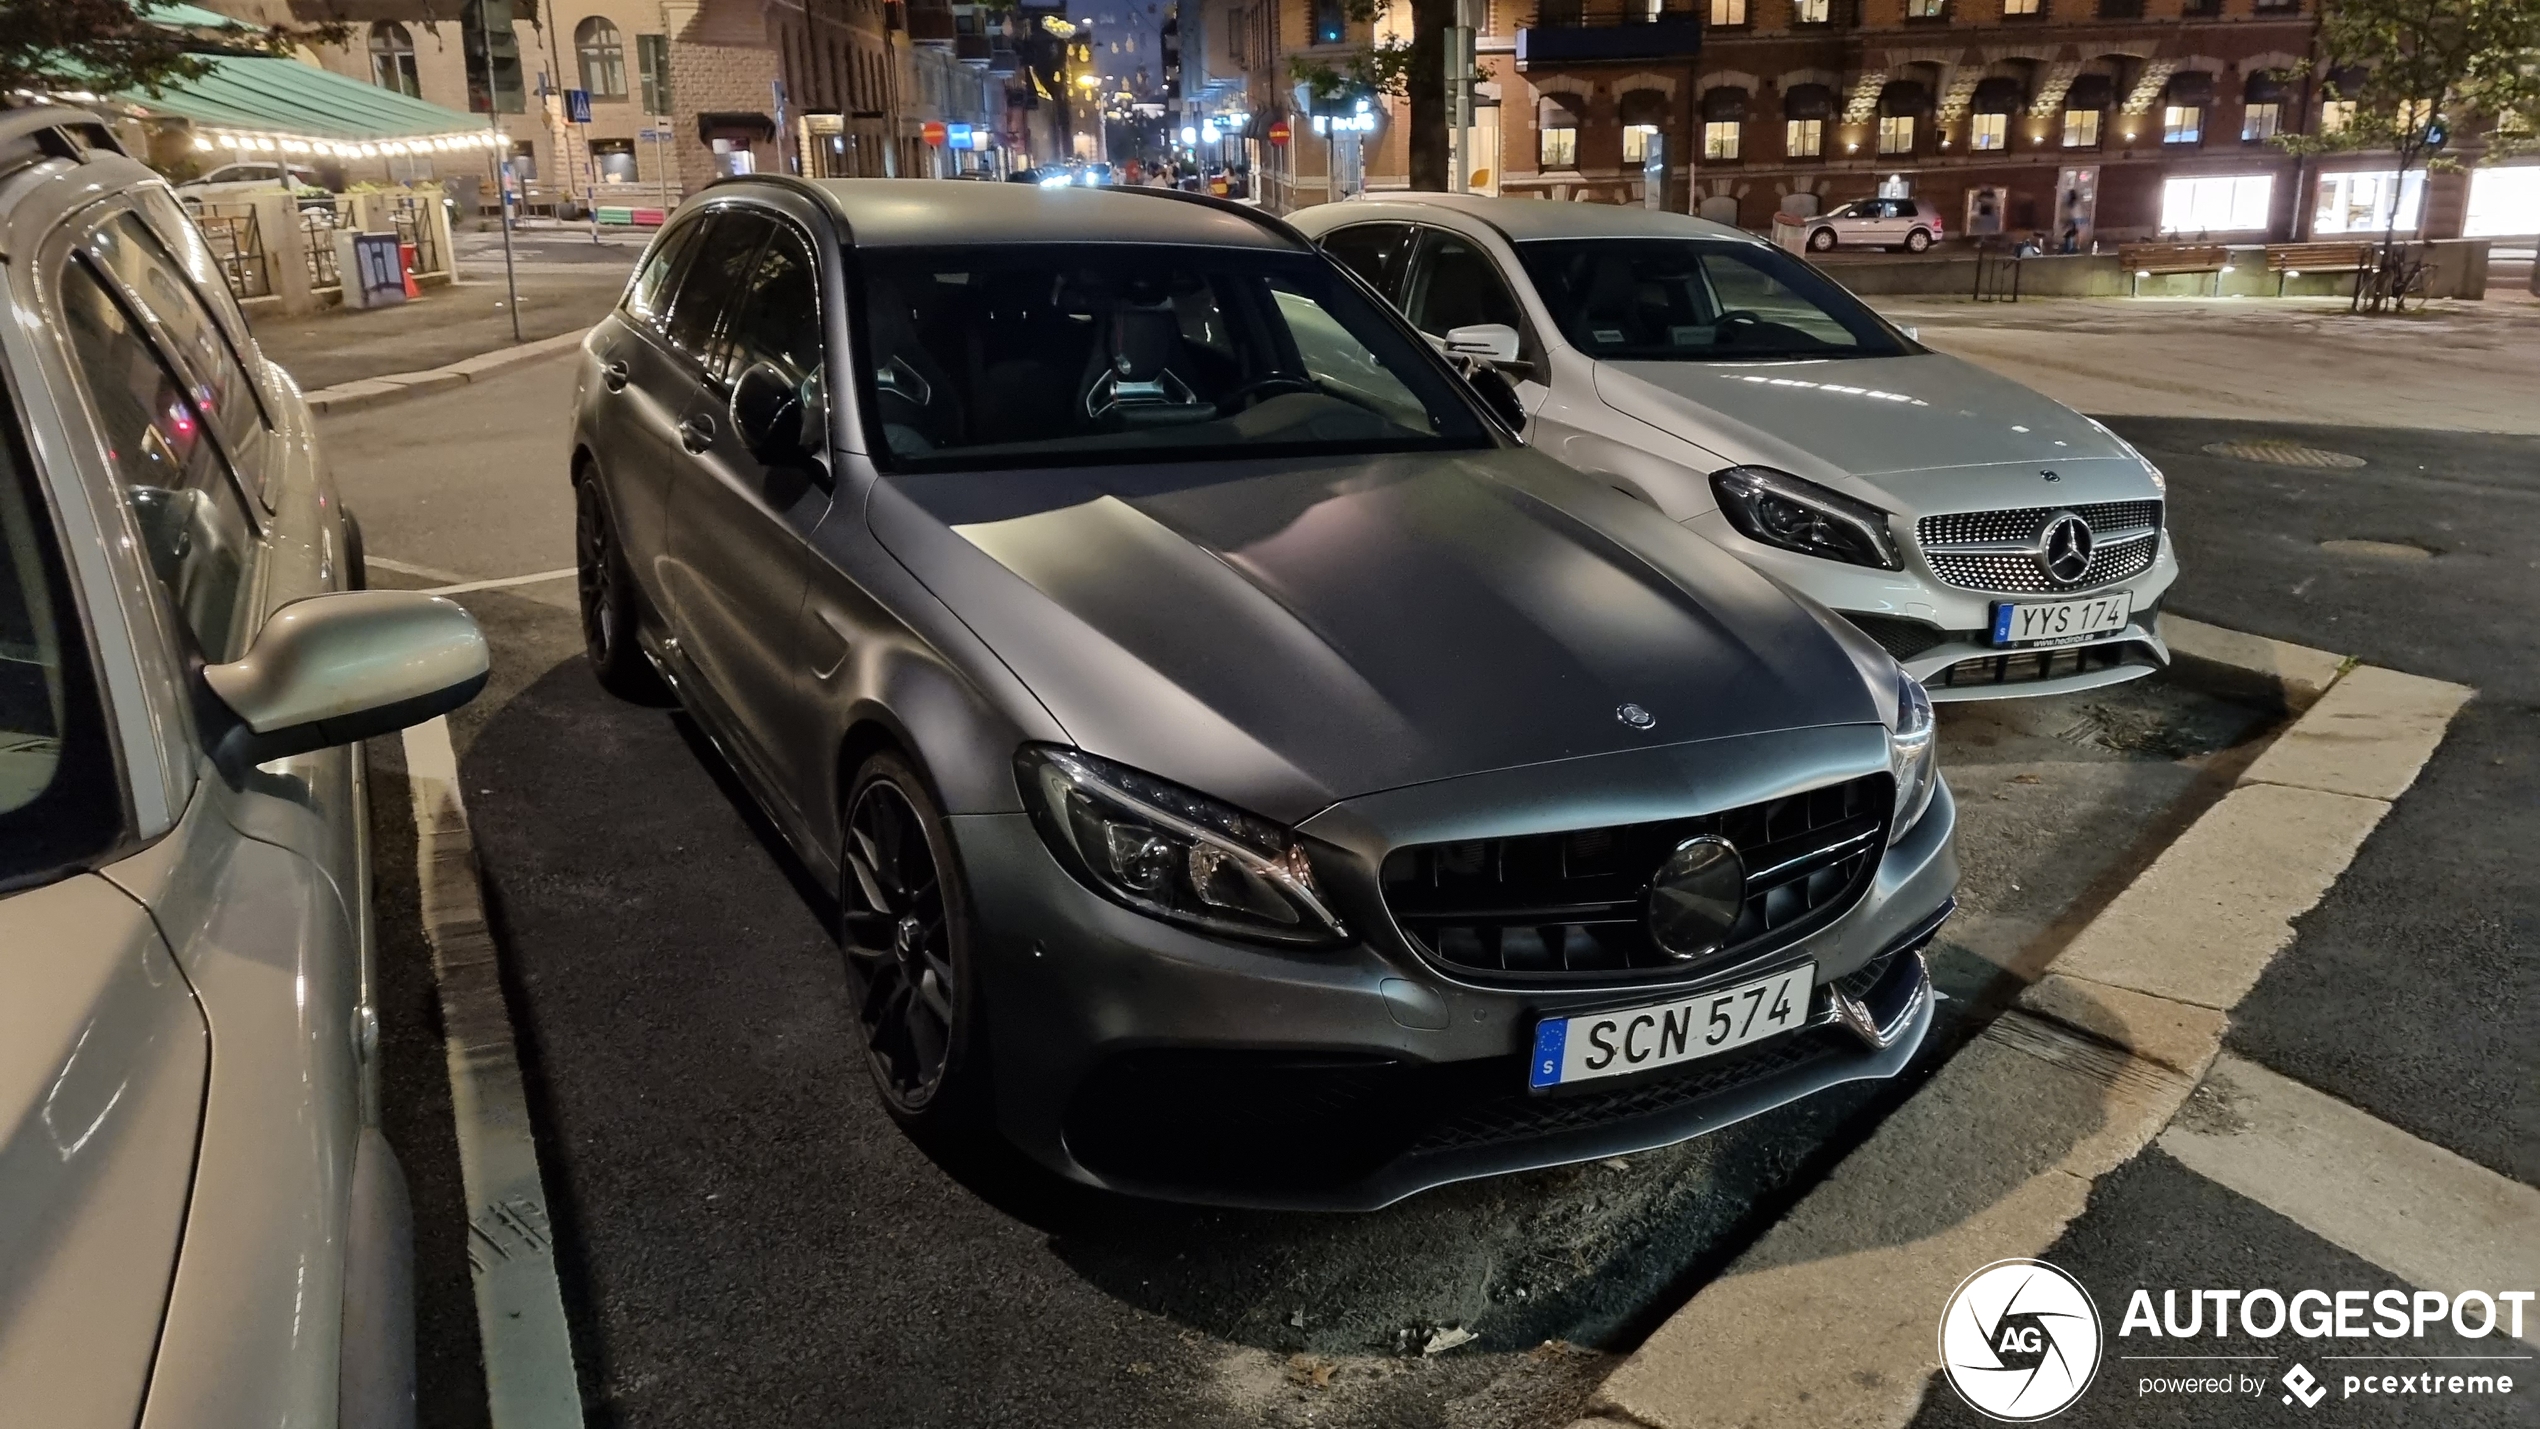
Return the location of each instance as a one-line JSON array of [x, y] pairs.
[[238, 246]]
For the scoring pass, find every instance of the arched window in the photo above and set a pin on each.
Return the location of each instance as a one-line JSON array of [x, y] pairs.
[[603, 55], [1557, 131], [2261, 106], [1644, 116], [1901, 104], [1723, 124], [1995, 101], [392, 59], [1806, 110]]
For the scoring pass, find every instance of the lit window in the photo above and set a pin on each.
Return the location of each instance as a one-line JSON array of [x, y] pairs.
[[1989, 131], [1636, 139], [1720, 139], [2369, 203], [2258, 122], [1560, 148], [1728, 12], [1811, 12], [1804, 138], [2182, 124], [1896, 133], [1926, 9], [2217, 204], [2336, 114], [2013, 9], [2081, 128]]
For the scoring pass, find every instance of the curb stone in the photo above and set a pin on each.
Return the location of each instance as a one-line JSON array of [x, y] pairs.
[[375, 391], [1996, 1154]]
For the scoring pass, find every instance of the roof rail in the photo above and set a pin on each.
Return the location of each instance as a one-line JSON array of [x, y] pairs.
[[797, 184], [1272, 222], [62, 131]]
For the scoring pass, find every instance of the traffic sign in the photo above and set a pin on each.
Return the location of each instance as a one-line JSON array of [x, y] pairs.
[[577, 106], [934, 132], [1279, 132]]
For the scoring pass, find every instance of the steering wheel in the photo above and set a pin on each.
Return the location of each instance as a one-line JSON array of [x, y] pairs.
[[1252, 392]]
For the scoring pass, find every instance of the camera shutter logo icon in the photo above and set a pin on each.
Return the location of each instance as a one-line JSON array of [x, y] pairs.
[[2019, 1341]]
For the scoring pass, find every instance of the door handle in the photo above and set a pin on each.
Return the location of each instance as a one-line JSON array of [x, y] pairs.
[[697, 433], [615, 375]]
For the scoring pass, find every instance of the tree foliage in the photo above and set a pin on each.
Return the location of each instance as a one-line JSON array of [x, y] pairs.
[[108, 47]]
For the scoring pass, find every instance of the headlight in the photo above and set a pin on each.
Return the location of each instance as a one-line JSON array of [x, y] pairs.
[[1174, 854], [1911, 755], [1779, 509]]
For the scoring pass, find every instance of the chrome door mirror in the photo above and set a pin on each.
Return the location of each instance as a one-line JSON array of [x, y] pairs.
[[773, 421], [1494, 343], [333, 669]]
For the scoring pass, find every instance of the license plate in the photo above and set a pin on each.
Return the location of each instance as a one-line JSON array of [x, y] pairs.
[[1638, 1039], [2063, 622]]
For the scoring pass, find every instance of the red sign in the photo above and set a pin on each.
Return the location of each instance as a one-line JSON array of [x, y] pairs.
[[1279, 132], [934, 132]]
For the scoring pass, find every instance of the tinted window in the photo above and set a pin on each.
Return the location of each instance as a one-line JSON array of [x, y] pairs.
[[1375, 252], [1459, 286], [647, 300], [193, 521], [778, 316], [1043, 354], [220, 387], [1690, 300], [184, 237], [721, 267]]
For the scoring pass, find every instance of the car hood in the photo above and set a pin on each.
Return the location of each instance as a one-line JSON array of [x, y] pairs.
[[1901, 431], [1286, 634]]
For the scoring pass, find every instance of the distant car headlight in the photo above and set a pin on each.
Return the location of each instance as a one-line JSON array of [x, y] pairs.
[[1174, 854], [1912, 755], [1779, 509]]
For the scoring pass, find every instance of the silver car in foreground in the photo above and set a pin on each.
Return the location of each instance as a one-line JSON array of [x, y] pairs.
[[1246, 772], [200, 1223], [1995, 542]]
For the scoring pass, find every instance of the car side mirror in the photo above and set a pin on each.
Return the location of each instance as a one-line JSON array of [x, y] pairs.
[[1497, 393], [1911, 331], [334, 669], [1491, 342], [775, 423]]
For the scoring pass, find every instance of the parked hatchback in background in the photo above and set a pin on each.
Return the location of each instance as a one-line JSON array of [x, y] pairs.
[[200, 1223], [231, 181], [1912, 224], [1994, 541], [1246, 772]]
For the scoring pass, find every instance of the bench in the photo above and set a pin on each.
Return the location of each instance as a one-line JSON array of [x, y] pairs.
[[2288, 260], [2142, 260]]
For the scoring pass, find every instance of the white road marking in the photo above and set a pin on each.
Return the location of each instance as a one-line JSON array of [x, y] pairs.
[[529, 1378], [2434, 1219], [498, 582], [404, 568]]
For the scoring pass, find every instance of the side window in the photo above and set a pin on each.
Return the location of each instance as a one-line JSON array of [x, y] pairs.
[[778, 317], [1375, 252], [194, 523], [193, 251], [721, 268], [222, 391], [649, 299], [1459, 286]]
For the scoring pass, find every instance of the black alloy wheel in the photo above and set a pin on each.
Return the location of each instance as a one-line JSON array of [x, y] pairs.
[[904, 926], [608, 602]]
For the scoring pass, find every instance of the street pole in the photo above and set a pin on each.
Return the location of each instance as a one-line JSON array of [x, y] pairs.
[[503, 199], [1459, 95]]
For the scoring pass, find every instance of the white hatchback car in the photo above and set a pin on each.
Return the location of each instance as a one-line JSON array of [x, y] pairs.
[[1995, 542]]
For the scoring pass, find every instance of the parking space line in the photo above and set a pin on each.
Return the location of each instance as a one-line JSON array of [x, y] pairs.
[[529, 1375], [1997, 1153], [2434, 1219], [408, 568], [499, 582]]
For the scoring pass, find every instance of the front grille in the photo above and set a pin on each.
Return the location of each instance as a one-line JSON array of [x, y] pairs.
[[1573, 906], [2016, 573], [1903, 639], [2026, 667]]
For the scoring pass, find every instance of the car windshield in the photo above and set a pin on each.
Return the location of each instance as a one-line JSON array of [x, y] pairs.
[[1065, 354], [1692, 300], [59, 802]]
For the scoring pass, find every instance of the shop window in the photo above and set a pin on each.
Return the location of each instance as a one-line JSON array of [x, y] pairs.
[[392, 59], [602, 54], [2081, 128], [2502, 201], [1720, 138], [2258, 122], [2182, 124], [614, 160], [1804, 138], [1989, 131], [1896, 133], [2221, 203], [2368, 203]]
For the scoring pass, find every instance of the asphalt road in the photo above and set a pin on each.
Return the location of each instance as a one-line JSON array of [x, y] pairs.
[[748, 1240]]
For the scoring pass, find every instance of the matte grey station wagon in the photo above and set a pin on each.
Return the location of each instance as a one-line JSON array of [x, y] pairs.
[[1247, 772]]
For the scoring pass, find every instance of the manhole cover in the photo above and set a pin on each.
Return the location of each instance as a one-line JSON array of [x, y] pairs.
[[2279, 453], [2380, 550]]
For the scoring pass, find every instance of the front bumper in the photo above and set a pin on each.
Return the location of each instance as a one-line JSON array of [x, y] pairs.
[[1134, 1055]]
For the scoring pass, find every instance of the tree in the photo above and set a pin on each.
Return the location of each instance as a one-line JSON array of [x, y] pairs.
[[1413, 71], [2430, 69], [112, 47]]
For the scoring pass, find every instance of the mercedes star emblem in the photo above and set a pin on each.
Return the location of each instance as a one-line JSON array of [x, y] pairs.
[[1695, 896], [2063, 548]]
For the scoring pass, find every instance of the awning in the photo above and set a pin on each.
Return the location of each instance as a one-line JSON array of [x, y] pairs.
[[272, 98], [714, 124]]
